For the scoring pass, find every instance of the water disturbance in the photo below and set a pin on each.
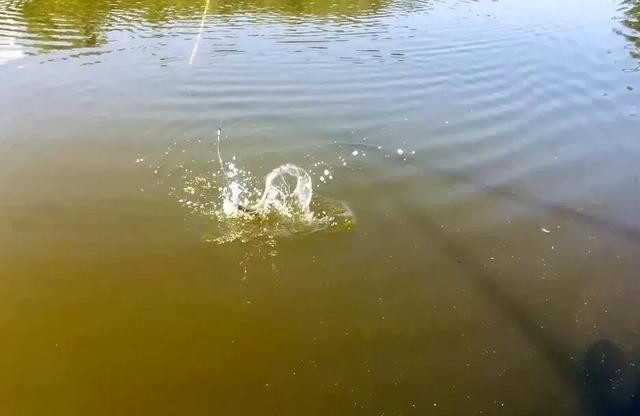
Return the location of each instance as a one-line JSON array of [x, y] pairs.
[[244, 209]]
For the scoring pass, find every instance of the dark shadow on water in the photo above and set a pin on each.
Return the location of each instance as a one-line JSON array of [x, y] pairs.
[[610, 381], [628, 232], [605, 380]]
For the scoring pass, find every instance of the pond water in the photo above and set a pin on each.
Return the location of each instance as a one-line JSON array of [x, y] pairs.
[[470, 245]]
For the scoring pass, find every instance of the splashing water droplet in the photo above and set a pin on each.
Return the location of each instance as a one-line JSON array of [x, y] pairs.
[[287, 190], [244, 208], [283, 210]]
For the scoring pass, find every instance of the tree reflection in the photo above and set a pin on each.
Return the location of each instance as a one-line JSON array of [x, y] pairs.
[[632, 22], [68, 24]]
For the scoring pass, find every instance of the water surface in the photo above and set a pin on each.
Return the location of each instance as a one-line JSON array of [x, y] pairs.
[[487, 150]]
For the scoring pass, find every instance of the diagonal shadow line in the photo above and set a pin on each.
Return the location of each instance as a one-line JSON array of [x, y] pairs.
[[486, 284], [558, 353], [630, 233]]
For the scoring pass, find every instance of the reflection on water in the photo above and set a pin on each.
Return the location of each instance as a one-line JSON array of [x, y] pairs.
[[9, 51], [632, 23], [49, 25], [487, 149], [54, 25]]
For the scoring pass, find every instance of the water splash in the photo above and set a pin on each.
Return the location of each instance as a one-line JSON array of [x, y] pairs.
[[285, 208], [287, 190], [242, 207]]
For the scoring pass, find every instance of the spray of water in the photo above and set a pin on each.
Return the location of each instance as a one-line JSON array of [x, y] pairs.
[[244, 207]]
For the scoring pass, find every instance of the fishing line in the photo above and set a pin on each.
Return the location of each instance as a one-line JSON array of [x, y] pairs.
[[199, 37], [224, 172], [219, 155]]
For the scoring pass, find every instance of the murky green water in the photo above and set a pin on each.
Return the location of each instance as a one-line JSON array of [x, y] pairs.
[[484, 156]]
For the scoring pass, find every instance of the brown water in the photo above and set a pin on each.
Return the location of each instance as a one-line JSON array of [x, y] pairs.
[[489, 153]]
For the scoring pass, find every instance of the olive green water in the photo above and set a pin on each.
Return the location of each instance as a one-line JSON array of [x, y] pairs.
[[489, 152]]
